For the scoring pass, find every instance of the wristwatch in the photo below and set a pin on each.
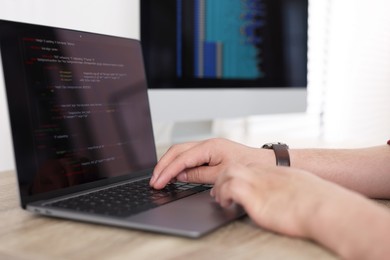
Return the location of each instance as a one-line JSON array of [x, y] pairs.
[[281, 153]]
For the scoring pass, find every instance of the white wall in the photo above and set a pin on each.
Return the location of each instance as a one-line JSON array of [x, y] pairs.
[[356, 98], [114, 17]]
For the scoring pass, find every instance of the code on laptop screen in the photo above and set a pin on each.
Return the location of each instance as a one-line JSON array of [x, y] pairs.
[[78, 106]]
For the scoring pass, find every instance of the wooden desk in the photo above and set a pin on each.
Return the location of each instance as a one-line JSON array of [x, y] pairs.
[[26, 236]]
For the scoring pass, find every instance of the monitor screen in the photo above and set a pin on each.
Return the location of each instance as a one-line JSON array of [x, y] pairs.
[[225, 44]]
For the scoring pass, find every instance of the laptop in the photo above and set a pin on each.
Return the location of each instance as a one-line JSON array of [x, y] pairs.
[[83, 137]]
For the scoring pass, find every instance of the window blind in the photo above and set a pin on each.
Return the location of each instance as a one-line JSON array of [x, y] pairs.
[[349, 70]]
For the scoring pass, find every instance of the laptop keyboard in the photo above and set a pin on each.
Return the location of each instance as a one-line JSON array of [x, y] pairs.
[[128, 199]]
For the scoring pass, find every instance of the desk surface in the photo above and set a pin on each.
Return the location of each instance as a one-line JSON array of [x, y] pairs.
[[26, 236]]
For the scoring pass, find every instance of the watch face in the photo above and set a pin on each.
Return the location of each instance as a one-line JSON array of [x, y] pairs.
[[267, 146], [271, 145]]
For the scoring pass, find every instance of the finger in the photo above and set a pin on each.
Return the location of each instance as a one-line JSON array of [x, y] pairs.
[[223, 196], [168, 157], [196, 156], [212, 192], [235, 184], [235, 190], [171, 154], [201, 174], [234, 171]]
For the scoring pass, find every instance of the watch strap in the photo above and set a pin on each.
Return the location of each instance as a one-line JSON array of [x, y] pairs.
[[282, 155]]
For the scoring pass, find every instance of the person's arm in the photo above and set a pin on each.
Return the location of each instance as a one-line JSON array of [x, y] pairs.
[[364, 170], [296, 203]]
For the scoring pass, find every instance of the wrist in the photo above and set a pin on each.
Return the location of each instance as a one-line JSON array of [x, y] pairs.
[[264, 157]]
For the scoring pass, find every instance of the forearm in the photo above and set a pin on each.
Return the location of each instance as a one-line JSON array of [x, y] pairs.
[[352, 226], [366, 171]]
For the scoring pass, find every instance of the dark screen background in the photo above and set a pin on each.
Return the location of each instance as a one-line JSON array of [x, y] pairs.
[[170, 44], [78, 106]]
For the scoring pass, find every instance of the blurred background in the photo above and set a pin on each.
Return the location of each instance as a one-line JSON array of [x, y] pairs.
[[348, 72]]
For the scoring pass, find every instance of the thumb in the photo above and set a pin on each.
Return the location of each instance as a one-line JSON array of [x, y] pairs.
[[200, 174]]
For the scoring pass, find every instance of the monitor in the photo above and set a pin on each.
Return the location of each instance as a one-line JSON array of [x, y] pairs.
[[208, 59]]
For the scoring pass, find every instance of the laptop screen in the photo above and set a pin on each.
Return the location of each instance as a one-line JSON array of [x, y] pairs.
[[78, 106]]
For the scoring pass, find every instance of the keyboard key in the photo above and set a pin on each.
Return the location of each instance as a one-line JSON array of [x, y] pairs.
[[128, 199]]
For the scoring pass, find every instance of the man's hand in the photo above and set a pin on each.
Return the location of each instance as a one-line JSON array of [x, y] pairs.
[[281, 199], [201, 162], [297, 203]]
